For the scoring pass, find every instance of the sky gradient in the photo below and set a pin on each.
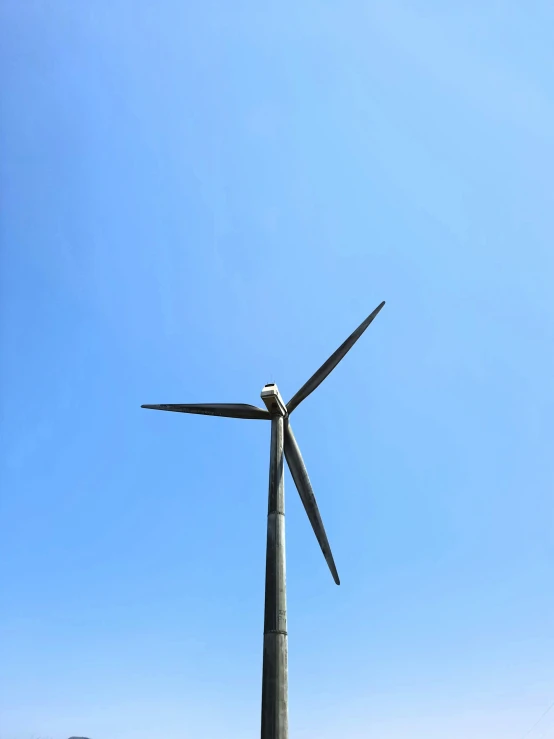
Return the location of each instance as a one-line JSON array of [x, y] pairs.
[[197, 199]]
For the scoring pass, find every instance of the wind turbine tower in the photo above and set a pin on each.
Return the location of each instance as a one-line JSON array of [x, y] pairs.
[[283, 444]]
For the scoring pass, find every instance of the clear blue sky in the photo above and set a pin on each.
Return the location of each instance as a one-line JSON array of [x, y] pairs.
[[198, 198]]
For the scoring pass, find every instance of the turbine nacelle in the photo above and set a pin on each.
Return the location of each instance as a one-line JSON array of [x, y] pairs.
[[273, 401]]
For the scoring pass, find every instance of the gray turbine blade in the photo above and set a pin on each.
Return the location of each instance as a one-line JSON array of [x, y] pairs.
[[302, 481], [228, 410], [331, 363]]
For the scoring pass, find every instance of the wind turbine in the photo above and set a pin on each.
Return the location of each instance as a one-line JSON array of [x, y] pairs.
[[274, 673]]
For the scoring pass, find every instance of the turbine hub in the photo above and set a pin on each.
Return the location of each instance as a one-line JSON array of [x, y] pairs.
[[273, 401]]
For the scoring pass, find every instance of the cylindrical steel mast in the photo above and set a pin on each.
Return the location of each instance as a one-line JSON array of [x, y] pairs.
[[274, 676]]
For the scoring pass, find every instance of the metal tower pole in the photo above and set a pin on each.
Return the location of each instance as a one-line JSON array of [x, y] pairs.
[[274, 676]]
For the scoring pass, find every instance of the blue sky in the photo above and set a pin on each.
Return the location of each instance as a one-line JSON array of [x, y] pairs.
[[198, 198]]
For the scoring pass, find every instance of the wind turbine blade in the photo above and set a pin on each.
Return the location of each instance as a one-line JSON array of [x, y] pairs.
[[228, 410], [302, 481], [331, 363]]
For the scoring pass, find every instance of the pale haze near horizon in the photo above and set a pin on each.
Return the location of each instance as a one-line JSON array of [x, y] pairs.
[[200, 198]]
